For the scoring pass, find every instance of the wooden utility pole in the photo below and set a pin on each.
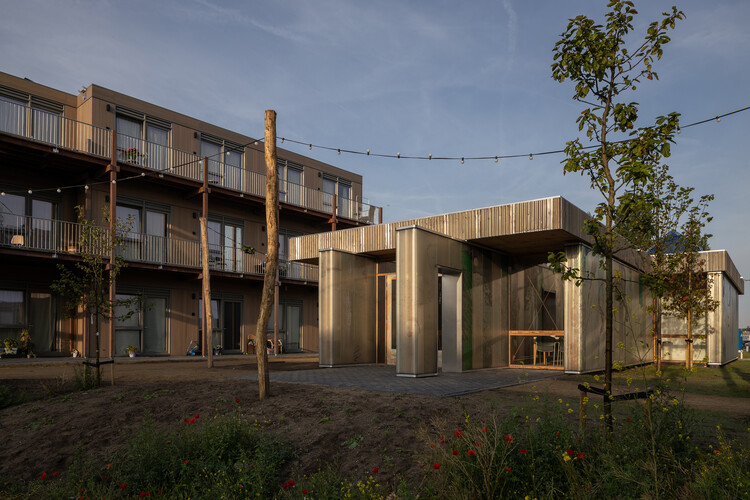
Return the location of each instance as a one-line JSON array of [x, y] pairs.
[[208, 350], [113, 168], [333, 220], [272, 257]]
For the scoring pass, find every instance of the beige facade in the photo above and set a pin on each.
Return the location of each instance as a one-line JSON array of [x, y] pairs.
[[56, 151], [472, 289]]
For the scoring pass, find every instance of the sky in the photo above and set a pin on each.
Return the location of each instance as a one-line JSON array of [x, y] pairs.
[[416, 78]]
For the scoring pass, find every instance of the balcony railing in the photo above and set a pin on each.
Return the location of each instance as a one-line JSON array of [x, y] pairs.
[[55, 130], [60, 237]]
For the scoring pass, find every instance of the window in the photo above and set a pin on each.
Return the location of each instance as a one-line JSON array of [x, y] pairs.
[[30, 116], [32, 310], [27, 221], [146, 327], [290, 182], [142, 140], [340, 187], [224, 161], [225, 244], [146, 240], [226, 321], [290, 324]]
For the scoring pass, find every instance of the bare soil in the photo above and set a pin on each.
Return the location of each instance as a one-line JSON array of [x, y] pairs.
[[390, 429]]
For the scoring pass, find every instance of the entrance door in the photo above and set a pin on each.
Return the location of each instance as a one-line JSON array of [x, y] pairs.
[[450, 314], [155, 325], [232, 321], [390, 319]]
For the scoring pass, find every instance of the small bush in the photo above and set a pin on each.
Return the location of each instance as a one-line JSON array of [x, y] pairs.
[[84, 378]]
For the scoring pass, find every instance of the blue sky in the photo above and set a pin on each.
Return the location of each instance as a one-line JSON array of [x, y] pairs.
[[415, 77]]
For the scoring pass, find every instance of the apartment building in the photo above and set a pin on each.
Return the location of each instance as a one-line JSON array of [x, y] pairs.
[[57, 151]]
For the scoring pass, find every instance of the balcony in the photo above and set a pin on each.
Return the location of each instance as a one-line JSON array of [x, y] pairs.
[[63, 133], [57, 237]]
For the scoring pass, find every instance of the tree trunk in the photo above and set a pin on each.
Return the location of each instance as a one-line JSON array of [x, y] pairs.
[[609, 301], [272, 256], [98, 371], [657, 332], [206, 283]]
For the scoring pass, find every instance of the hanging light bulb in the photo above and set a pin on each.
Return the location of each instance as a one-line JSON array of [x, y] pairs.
[[496, 159], [462, 161], [339, 151], [282, 140], [59, 190], [368, 152], [29, 191], [718, 118], [430, 156], [398, 155], [679, 130], [310, 147], [115, 182], [86, 187], [2, 193], [531, 156]]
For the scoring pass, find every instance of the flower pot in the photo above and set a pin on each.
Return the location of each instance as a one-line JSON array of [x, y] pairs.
[[75, 354], [131, 354], [11, 350]]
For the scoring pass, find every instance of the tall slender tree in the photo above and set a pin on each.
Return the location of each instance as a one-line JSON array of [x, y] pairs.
[[605, 65]]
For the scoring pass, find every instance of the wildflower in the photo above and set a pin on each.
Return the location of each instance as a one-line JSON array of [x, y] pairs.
[[236, 400], [304, 492], [484, 429], [508, 439], [477, 443], [566, 457], [458, 433], [570, 452], [522, 451], [436, 465], [124, 486], [471, 453], [54, 474], [432, 445], [288, 484], [375, 470], [628, 419], [109, 466], [185, 462], [144, 494], [186, 420], [197, 415], [580, 456], [507, 469], [442, 439], [455, 452], [44, 474]]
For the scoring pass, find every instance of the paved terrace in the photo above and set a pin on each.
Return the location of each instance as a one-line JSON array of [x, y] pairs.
[[381, 378]]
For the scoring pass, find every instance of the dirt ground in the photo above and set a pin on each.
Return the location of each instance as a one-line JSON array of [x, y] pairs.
[[42, 435]]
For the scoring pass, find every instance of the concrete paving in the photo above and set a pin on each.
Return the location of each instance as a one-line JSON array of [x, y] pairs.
[[381, 378]]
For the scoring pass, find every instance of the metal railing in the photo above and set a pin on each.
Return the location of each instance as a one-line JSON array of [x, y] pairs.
[[61, 237], [53, 129]]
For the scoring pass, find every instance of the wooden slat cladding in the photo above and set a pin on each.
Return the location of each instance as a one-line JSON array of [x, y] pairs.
[[719, 261]]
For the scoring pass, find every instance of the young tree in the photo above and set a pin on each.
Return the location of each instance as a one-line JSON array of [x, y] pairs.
[[604, 66], [671, 236], [86, 285]]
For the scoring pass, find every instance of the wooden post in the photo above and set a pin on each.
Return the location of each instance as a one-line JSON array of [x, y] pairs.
[[272, 257], [113, 168], [208, 348], [333, 218], [582, 411]]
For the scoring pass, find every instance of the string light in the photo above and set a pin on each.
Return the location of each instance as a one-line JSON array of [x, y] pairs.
[[462, 161], [59, 190], [496, 158]]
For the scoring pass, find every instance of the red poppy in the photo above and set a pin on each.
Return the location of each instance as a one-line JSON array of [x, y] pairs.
[[54, 474], [522, 451], [484, 429], [109, 466], [471, 453], [186, 461], [304, 492], [236, 400], [477, 443], [80, 491], [432, 445], [455, 452], [44, 474], [124, 486], [507, 469], [197, 415], [186, 420], [442, 439], [580, 456], [508, 439], [192, 420], [288, 484], [240, 486], [144, 494], [570, 452], [628, 419], [436, 465], [458, 433], [375, 470]]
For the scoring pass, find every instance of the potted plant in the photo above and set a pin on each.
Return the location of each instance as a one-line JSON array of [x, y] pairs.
[[75, 353], [218, 350], [27, 346], [11, 346], [131, 350]]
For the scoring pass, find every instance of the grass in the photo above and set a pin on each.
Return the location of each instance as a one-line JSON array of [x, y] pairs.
[[732, 380]]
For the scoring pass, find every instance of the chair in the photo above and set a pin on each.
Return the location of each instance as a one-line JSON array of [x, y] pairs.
[[544, 348]]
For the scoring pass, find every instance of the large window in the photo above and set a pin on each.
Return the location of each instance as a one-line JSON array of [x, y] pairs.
[[226, 321], [146, 240], [341, 188], [31, 116], [32, 309], [142, 327], [27, 221], [225, 244], [290, 325], [290, 182], [143, 140], [224, 161]]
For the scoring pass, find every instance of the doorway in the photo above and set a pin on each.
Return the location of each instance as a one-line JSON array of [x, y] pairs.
[[449, 345]]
